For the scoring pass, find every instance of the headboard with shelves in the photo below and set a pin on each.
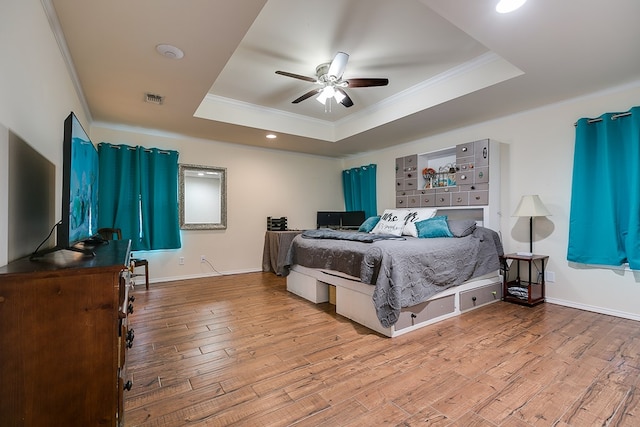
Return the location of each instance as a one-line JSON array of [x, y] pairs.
[[453, 179]]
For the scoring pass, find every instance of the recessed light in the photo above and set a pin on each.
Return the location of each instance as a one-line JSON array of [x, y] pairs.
[[169, 51], [506, 6], [271, 136]]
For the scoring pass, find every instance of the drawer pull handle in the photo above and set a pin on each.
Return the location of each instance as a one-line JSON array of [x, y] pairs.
[[463, 177], [459, 199], [128, 385], [130, 309], [464, 149]]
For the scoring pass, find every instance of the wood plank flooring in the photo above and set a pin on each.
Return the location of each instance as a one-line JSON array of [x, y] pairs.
[[241, 350]]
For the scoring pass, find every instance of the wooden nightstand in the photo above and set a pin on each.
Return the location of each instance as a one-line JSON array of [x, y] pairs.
[[523, 278]]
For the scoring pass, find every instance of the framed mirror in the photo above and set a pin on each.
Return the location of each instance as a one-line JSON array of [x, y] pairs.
[[202, 193]]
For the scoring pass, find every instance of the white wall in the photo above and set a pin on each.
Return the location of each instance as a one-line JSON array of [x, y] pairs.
[[260, 183], [36, 92], [539, 161]]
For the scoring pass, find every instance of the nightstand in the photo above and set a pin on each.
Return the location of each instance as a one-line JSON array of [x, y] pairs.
[[523, 278]]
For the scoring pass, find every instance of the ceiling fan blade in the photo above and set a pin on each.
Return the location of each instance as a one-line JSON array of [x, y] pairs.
[[338, 65], [366, 82], [346, 101], [305, 96], [297, 76]]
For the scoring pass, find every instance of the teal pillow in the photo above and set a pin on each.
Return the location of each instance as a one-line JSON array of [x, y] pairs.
[[369, 223], [433, 227]]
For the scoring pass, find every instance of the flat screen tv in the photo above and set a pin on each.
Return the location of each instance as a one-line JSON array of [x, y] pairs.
[[79, 220], [352, 219], [328, 219]]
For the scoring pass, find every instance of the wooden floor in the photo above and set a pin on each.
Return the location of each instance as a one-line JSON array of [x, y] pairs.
[[241, 350]]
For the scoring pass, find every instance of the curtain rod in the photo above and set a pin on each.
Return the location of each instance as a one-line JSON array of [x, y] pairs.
[[599, 119], [148, 150]]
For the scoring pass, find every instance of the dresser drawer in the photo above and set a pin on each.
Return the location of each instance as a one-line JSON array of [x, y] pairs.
[[428, 200], [443, 199], [481, 149], [460, 199], [478, 198], [464, 150]]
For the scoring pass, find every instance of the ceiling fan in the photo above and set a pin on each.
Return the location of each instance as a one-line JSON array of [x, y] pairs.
[[329, 77]]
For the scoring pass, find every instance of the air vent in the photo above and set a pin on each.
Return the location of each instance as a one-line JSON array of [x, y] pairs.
[[153, 98]]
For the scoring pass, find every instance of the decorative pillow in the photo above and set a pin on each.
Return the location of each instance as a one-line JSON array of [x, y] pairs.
[[391, 222], [461, 227], [415, 215], [433, 227], [369, 223]]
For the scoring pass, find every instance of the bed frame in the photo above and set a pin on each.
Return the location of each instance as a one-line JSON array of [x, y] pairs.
[[354, 299]]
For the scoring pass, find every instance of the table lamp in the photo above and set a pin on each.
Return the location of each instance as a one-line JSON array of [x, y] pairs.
[[530, 206]]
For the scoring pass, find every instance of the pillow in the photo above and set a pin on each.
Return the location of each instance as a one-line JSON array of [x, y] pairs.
[[415, 215], [433, 227], [369, 223], [461, 227], [391, 222]]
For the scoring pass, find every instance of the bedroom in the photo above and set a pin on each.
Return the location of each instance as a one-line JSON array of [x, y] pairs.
[[38, 92]]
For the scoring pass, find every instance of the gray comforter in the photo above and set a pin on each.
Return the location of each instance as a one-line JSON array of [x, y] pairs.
[[404, 272]]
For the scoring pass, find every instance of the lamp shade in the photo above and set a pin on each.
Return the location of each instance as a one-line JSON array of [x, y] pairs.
[[531, 206]]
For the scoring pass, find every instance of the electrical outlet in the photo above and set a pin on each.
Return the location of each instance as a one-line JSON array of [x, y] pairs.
[[550, 276], [181, 260], [202, 258]]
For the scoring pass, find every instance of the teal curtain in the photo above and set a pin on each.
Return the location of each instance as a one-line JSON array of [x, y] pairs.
[[138, 193], [604, 225], [359, 187]]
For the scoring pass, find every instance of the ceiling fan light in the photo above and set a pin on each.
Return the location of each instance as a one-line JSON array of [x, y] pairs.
[[506, 6], [339, 96], [322, 98], [329, 91]]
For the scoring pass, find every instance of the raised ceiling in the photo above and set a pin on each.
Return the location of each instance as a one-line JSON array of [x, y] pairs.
[[450, 63]]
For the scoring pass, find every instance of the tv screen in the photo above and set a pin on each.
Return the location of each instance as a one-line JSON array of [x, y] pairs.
[[79, 186], [328, 219], [352, 219]]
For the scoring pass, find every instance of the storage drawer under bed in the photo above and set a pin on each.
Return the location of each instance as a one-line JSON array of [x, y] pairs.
[[427, 310], [479, 296]]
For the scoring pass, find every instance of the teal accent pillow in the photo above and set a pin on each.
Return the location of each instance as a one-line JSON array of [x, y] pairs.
[[369, 223], [433, 227]]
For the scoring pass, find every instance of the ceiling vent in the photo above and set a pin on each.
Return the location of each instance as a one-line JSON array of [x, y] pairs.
[[153, 98]]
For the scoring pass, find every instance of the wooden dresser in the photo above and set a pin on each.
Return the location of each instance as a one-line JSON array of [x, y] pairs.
[[64, 335]]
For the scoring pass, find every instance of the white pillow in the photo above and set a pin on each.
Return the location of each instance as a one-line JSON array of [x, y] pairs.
[[391, 222], [415, 215]]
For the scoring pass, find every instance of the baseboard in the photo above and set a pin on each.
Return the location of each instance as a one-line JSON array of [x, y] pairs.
[[196, 276], [595, 309]]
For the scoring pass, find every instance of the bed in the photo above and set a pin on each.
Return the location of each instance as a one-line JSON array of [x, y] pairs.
[[396, 284]]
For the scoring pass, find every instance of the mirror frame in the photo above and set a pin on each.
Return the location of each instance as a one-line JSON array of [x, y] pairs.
[[222, 225]]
